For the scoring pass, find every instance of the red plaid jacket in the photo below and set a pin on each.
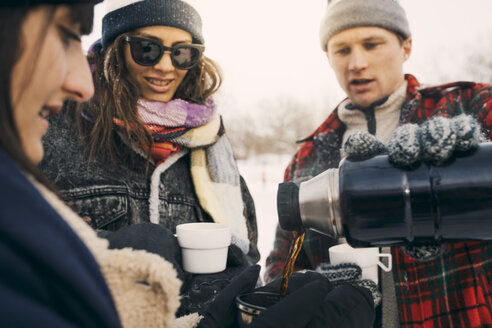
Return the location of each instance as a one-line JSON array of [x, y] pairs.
[[452, 291]]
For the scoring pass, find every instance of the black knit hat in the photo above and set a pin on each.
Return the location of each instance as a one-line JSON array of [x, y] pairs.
[[23, 3], [125, 16]]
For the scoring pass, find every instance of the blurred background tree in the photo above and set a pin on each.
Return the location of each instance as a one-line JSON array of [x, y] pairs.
[[274, 129]]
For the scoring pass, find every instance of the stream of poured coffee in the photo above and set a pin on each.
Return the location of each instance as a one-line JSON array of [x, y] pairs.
[[295, 249]]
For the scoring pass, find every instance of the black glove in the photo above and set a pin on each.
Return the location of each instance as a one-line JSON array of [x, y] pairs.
[[222, 312], [200, 290], [197, 290], [313, 301], [345, 306], [297, 280], [150, 237]]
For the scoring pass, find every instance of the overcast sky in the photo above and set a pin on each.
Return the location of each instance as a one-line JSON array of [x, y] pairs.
[[270, 48]]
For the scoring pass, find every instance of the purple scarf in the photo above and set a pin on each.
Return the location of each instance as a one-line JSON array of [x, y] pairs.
[[175, 113]]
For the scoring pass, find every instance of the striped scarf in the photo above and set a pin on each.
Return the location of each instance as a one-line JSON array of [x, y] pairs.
[[168, 121], [179, 126]]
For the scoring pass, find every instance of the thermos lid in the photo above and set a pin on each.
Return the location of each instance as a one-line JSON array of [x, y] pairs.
[[289, 215]]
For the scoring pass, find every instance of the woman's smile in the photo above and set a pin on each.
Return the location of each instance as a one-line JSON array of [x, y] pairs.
[[159, 85]]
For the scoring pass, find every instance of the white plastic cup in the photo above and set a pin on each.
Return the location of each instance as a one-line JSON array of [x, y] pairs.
[[367, 258], [204, 246]]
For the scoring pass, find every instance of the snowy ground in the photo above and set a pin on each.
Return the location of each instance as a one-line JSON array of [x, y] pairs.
[[263, 174]]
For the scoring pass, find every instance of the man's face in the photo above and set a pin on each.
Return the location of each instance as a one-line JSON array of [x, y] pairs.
[[368, 63]]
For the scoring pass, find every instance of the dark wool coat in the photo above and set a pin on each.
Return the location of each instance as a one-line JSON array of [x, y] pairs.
[[48, 277], [455, 289]]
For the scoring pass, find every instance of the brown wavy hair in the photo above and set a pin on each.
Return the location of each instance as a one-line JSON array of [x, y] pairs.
[[116, 95]]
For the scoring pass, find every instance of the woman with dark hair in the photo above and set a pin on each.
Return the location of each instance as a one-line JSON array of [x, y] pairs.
[[55, 271], [48, 277], [150, 146]]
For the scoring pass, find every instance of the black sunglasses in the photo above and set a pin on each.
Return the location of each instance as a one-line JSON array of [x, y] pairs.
[[148, 52]]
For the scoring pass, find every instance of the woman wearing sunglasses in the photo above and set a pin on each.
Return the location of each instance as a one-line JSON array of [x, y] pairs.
[[54, 270], [150, 145]]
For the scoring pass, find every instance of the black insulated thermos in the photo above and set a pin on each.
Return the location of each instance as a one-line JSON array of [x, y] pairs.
[[372, 203]]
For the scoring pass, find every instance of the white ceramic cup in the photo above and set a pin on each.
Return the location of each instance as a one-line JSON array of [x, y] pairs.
[[204, 246], [368, 259]]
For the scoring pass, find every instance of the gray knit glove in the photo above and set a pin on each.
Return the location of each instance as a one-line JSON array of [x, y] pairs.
[[349, 273], [363, 145], [433, 142]]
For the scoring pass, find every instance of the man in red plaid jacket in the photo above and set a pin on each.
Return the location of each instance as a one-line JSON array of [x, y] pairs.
[[367, 42]]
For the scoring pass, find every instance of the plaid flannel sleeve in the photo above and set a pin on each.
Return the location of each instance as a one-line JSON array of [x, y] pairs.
[[452, 291]]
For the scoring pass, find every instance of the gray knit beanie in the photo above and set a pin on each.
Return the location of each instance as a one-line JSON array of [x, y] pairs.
[[344, 14], [123, 16]]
